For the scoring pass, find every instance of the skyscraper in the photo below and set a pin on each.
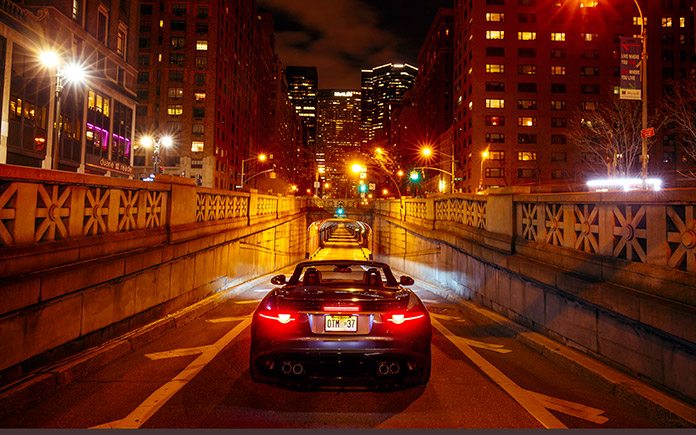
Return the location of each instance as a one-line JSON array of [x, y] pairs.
[[303, 82], [338, 133], [382, 90]]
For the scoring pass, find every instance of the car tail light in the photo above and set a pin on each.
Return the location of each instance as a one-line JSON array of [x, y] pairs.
[[283, 318], [404, 317]]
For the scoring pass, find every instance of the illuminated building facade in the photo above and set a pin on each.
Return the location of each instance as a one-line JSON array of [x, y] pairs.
[[524, 68], [303, 82], [382, 90], [97, 114], [338, 133], [198, 82]]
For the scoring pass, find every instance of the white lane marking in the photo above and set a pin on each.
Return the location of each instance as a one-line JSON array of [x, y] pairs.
[[157, 399], [521, 396], [226, 319], [262, 290], [480, 344], [572, 408], [176, 353], [446, 317], [535, 403]]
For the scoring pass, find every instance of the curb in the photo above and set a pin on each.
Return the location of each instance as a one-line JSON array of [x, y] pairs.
[[22, 392], [582, 364]]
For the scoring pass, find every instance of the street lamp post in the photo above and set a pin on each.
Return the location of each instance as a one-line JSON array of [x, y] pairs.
[[643, 96], [427, 152], [260, 158], [149, 141], [71, 72], [484, 155]]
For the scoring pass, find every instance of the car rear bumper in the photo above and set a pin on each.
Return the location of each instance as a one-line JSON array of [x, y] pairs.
[[340, 361]]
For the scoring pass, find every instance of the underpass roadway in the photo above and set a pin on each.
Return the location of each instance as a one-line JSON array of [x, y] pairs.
[[485, 374]]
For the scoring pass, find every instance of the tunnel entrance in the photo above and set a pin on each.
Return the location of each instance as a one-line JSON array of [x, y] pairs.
[[337, 231]]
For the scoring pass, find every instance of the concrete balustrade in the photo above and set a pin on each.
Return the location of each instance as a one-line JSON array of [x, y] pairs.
[[613, 274], [85, 258]]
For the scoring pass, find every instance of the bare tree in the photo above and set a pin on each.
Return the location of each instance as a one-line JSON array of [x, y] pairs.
[[679, 108], [608, 138]]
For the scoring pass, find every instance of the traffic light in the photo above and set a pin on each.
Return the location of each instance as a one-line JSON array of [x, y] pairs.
[[340, 209], [362, 188], [414, 176]]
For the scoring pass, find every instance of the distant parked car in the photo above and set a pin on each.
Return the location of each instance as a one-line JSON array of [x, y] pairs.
[[341, 323]]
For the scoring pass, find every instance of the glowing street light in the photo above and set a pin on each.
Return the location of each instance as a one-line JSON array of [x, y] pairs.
[[428, 152], [484, 156], [358, 168], [148, 141], [65, 73], [260, 157]]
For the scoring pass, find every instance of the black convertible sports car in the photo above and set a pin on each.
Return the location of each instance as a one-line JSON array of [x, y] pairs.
[[341, 323]]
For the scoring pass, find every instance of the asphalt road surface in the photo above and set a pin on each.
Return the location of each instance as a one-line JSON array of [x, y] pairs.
[[197, 376]]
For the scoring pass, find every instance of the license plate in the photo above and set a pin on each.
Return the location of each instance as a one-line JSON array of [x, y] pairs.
[[334, 323]]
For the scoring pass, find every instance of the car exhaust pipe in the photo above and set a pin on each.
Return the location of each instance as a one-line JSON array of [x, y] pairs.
[[286, 368], [394, 368], [383, 368], [298, 369]]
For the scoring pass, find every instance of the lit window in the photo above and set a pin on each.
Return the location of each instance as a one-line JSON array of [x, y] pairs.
[[526, 156], [496, 155], [495, 103], [558, 36], [636, 21], [589, 3], [589, 37], [495, 16], [199, 96], [682, 22], [176, 93], [558, 104], [495, 34], [495, 68], [526, 69], [558, 70], [175, 109], [121, 41], [202, 45], [495, 120], [666, 21], [527, 121], [526, 36], [197, 146]]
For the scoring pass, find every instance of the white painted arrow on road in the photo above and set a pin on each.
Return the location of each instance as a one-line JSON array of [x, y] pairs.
[[480, 344], [537, 404]]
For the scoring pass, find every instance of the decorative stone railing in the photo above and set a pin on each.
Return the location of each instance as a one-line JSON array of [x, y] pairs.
[[657, 229], [644, 227], [50, 211]]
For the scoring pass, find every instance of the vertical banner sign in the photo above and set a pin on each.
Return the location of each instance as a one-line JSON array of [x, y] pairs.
[[630, 87]]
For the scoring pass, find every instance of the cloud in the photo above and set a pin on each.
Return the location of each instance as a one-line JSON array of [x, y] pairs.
[[339, 37]]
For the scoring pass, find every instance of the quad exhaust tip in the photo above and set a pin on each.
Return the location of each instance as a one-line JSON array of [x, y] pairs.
[[288, 368], [386, 368]]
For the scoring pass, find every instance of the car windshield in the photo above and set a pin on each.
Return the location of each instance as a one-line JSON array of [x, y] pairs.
[[368, 274]]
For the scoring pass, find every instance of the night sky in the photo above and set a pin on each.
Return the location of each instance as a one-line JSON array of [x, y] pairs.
[[341, 37]]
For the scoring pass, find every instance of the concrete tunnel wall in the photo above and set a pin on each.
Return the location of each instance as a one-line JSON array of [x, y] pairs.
[[615, 339]]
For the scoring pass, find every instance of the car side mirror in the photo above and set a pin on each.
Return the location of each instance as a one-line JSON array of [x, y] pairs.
[[406, 280], [278, 280]]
